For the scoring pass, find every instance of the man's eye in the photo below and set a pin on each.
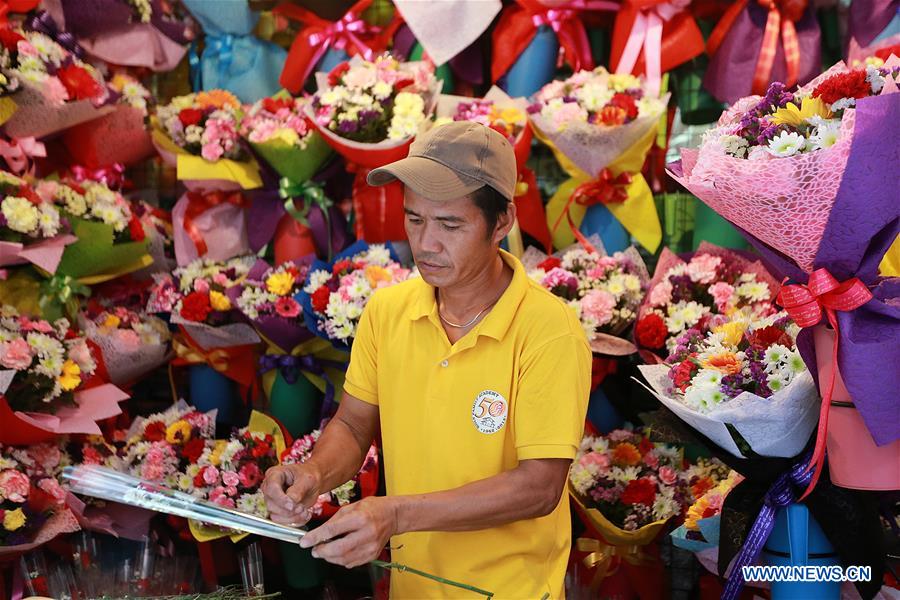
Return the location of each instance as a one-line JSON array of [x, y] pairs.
[[414, 221], [451, 227]]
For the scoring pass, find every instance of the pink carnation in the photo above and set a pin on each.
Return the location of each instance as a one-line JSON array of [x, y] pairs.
[[598, 459], [15, 354], [46, 455], [230, 478], [702, 268], [721, 293], [661, 294], [218, 496], [220, 279], [651, 459], [668, 475], [560, 277], [201, 285], [52, 487], [210, 475], [567, 113], [14, 485], [599, 305]]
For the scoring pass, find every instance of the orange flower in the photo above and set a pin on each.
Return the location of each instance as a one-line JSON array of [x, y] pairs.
[[217, 99], [726, 363], [612, 115], [701, 486], [626, 454]]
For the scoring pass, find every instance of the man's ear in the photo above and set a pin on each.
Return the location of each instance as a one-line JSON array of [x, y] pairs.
[[505, 223]]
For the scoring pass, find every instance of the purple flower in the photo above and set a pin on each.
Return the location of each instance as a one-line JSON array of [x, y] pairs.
[[534, 108], [732, 385], [348, 126]]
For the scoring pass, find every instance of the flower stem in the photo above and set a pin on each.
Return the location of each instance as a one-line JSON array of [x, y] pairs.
[[404, 568]]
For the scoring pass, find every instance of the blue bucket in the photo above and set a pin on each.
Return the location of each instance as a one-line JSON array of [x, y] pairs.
[[598, 219], [210, 390], [797, 540], [535, 67]]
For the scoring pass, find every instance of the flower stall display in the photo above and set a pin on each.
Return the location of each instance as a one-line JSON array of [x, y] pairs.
[[213, 338], [120, 137], [742, 383], [31, 229], [198, 135], [363, 485], [279, 131], [370, 112], [58, 89], [687, 293], [605, 291], [132, 343], [600, 127], [335, 295], [816, 146], [47, 386]]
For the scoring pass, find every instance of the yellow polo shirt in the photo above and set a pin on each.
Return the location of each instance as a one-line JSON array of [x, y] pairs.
[[514, 388]]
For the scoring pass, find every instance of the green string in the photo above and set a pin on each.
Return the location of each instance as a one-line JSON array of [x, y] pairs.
[[405, 569]]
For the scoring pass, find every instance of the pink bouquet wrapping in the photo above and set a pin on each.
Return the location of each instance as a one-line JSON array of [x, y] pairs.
[[210, 225], [132, 344]]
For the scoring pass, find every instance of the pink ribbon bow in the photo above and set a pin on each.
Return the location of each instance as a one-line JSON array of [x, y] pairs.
[[646, 33], [113, 176], [19, 152]]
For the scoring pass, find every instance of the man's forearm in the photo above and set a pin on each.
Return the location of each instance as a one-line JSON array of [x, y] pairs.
[[338, 455], [522, 493]]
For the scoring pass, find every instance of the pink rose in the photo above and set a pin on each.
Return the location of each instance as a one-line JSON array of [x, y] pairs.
[[651, 460], [210, 475], [250, 475], [153, 471], [721, 293], [81, 354], [129, 339], [54, 90], [40, 326], [212, 152], [668, 475], [220, 279], [201, 285], [598, 459], [14, 485], [661, 294], [15, 354], [702, 268], [52, 487], [599, 305], [217, 496], [360, 77], [230, 478], [231, 491]]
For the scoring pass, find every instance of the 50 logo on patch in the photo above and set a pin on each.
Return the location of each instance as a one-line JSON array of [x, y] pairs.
[[489, 412]]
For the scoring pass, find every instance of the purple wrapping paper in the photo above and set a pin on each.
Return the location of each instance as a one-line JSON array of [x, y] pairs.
[[266, 210], [863, 223], [869, 18], [729, 76], [89, 18]]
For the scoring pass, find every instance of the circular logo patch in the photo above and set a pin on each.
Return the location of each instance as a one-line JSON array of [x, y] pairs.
[[489, 412]]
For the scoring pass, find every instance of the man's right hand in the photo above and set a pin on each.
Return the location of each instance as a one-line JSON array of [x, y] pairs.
[[291, 491]]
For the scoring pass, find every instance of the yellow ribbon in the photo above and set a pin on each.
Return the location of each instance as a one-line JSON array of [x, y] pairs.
[[217, 359], [602, 558], [245, 174], [637, 214]]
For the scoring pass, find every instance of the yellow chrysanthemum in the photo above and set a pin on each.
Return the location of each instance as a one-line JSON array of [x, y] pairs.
[[215, 457], [280, 284], [809, 107], [71, 376], [13, 519], [111, 322], [178, 432], [732, 331], [376, 274], [287, 136], [219, 301]]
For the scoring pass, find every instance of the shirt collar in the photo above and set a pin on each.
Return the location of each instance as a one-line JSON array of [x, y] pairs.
[[498, 320]]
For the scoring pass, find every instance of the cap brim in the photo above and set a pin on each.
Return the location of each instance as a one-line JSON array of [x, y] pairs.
[[428, 178]]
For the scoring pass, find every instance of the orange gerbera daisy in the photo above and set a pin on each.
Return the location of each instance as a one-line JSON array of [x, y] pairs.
[[726, 363], [626, 454], [217, 99]]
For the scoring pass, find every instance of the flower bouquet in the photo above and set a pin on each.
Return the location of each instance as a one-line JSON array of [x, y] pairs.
[[213, 338], [294, 364], [369, 112], [626, 489], [132, 344], [298, 214], [31, 229], [686, 293], [508, 117], [9, 84], [700, 531], [815, 147], [119, 137], [32, 503], [58, 90], [742, 383], [335, 295], [363, 485], [600, 127], [198, 135], [46, 381]]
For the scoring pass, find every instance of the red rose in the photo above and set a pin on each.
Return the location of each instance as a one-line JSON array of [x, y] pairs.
[[320, 299], [260, 449], [334, 76], [195, 306], [682, 374], [843, 85], [651, 332], [136, 229], [549, 263], [626, 103], [193, 449], [341, 266], [639, 491], [155, 431], [9, 38], [80, 84], [190, 116]]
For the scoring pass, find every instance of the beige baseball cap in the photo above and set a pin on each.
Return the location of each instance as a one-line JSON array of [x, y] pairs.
[[453, 160]]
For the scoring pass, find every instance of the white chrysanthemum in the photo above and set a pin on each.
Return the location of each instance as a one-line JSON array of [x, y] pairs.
[[825, 136], [594, 96], [665, 505], [377, 254], [734, 145], [707, 378], [786, 144], [21, 215], [343, 331], [755, 291], [43, 345], [776, 354], [624, 474], [49, 220], [843, 104], [875, 79]]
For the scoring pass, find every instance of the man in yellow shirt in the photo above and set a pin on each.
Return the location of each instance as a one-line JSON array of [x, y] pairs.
[[479, 381]]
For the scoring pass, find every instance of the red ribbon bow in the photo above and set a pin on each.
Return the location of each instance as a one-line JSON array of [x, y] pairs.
[[350, 33], [606, 189], [113, 176], [200, 202], [16, 6], [805, 304]]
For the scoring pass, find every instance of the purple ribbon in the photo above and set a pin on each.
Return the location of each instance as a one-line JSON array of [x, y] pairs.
[[42, 22], [781, 494], [291, 366]]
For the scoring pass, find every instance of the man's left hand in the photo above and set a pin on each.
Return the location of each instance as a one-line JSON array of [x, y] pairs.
[[363, 530]]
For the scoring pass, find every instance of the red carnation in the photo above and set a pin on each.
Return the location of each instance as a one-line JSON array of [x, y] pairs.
[[767, 336], [645, 446], [639, 491], [651, 331], [155, 431], [843, 85], [320, 299], [626, 103], [9, 38], [273, 105], [193, 449], [136, 229], [549, 263], [682, 374], [334, 77], [341, 266], [260, 449], [80, 84], [190, 116], [199, 482], [195, 306]]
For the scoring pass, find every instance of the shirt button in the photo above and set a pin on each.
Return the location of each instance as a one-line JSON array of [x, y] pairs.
[[444, 363]]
